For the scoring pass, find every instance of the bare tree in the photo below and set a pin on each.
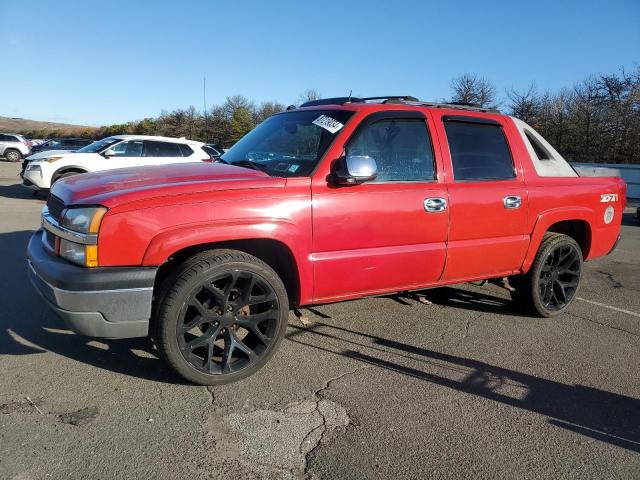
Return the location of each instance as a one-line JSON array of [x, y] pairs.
[[523, 104], [472, 89], [266, 109], [309, 95]]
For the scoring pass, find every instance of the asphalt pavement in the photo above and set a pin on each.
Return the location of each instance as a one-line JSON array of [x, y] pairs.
[[462, 386]]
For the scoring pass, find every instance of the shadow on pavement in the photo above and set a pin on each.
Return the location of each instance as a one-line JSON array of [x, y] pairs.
[[18, 191], [602, 415], [28, 327]]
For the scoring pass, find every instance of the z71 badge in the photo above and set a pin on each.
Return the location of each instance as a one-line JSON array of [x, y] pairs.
[[608, 197]]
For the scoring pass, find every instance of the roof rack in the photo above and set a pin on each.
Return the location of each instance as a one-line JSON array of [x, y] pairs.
[[400, 99]]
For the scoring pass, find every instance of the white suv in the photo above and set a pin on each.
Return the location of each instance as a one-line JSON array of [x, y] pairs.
[[13, 146], [42, 170]]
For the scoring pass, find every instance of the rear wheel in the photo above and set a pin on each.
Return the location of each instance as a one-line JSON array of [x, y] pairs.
[[12, 155], [221, 316], [554, 278]]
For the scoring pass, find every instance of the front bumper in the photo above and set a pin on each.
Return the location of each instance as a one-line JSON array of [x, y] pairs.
[[33, 180], [107, 302]]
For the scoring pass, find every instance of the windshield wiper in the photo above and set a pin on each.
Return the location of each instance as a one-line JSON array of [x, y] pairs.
[[249, 164]]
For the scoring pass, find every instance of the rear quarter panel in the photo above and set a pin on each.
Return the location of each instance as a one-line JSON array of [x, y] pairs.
[[553, 200]]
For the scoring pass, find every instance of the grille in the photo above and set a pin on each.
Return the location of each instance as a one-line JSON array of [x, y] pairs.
[[55, 206], [24, 166]]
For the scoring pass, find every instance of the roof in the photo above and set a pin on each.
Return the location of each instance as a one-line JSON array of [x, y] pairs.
[[158, 138], [395, 100]]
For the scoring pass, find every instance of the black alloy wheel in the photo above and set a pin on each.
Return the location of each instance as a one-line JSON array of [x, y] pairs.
[[220, 316], [228, 322], [553, 280], [559, 277]]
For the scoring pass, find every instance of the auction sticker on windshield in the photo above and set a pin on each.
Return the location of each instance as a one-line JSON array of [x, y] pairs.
[[328, 123]]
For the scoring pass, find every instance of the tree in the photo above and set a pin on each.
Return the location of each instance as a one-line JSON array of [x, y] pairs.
[[525, 104], [241, 123], [472, 89], [309, 95], [266, 109]]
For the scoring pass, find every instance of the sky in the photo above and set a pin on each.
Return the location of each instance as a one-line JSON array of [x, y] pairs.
[[97, 63]]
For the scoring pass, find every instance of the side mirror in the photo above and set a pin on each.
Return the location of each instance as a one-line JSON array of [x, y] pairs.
[[355, 169], [109, 153]]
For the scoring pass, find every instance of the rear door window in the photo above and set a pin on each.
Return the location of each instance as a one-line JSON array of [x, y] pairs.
[[479, 151], [161, 149]]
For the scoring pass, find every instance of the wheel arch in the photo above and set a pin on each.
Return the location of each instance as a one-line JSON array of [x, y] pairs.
[[273, 252], [66, 169], [576, 223], [12, 149]]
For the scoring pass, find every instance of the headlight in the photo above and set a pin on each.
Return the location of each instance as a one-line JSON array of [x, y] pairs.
[[53, 159], [34, 168], [84, 219], [85, 255]]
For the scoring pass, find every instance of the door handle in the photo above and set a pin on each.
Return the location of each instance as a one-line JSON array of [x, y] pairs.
[[435, 204], [512, 201]]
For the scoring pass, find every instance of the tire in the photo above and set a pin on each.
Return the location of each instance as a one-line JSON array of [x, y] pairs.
[[553, 280], [12, 155], [63, 175], [220, 317]]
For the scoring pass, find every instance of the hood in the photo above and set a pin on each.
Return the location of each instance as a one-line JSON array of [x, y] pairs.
[[124, 185], [46, 154]]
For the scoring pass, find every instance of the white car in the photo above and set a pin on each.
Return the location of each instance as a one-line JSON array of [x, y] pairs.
[[13, 147], [42, 170]]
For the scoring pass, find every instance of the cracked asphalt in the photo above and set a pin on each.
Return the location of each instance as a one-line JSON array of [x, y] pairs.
[[386, 387]]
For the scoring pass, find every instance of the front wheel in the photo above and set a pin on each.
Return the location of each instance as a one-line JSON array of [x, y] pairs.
[[12, 155], [221, 316], [554, 278], [63, 175]]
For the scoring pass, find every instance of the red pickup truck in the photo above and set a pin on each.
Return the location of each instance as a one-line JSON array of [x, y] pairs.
[[338, 199]]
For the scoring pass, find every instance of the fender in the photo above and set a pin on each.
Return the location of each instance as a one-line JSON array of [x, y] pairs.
[[168, 242], [545, 220]]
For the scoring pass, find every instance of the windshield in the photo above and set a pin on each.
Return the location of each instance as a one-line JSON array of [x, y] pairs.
[[288, 144], [100, 145]]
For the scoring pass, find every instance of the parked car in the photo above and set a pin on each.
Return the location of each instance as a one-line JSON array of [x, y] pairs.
[[13, 147], [339, 199], [214, 150], [66, 144], [42, 170]]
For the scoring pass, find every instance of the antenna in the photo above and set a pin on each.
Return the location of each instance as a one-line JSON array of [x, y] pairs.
[[204, 102], [349, 99]]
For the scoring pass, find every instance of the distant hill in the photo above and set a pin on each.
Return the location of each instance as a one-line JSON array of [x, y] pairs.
[[10, 125]]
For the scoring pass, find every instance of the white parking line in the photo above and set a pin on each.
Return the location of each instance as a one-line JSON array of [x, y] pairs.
[[622, 310]]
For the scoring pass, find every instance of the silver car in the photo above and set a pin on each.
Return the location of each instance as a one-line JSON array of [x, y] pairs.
[[13, 147]]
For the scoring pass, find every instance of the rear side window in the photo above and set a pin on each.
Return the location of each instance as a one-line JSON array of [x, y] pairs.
[[541, 152], [161, 149], [400, 147], [185, 149], [479, 151]]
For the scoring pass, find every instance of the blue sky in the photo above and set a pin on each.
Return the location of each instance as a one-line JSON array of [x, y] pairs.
[[114, 61]]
